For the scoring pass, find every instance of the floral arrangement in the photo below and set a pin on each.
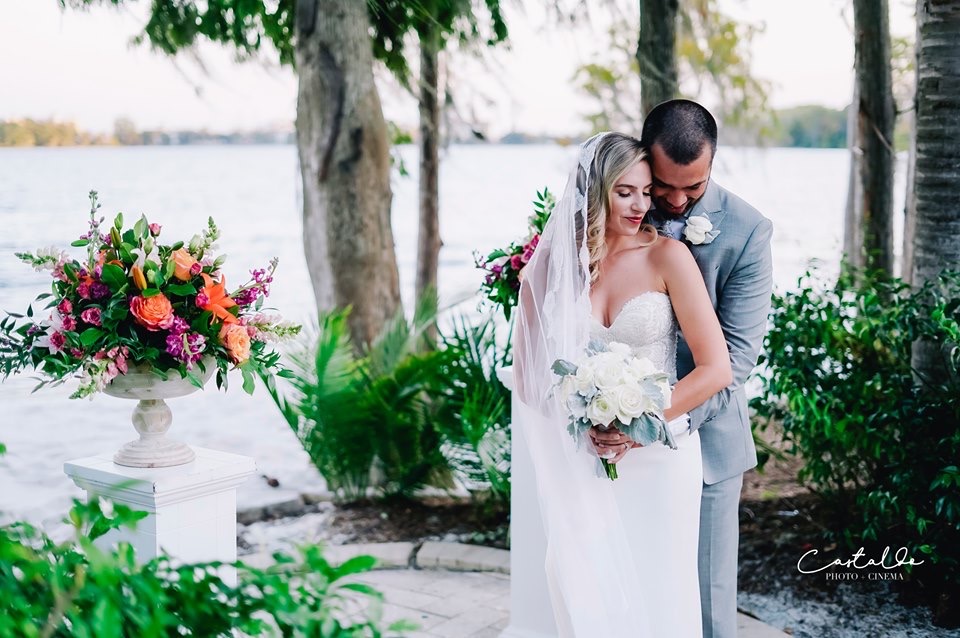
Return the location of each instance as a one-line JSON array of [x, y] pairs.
[[613, 388], [134, 301], [501, 284]]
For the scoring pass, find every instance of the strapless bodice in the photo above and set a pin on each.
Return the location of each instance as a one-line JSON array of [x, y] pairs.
[[647, 324]]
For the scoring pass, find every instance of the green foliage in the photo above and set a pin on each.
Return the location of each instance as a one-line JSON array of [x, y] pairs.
[[74, 588], [28, 132], [712, 57], [473, 406], [811, 127], [244, 25], [878, 443], [351, 411], [444, 20], [402, 414]]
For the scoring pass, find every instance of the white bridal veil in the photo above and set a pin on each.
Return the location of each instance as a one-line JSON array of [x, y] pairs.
[[590, 569]]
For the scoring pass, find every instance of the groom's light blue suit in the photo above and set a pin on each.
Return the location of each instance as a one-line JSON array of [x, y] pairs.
[[738, 271]]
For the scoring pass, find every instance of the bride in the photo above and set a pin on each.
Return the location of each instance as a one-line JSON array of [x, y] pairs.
[[621, 555]]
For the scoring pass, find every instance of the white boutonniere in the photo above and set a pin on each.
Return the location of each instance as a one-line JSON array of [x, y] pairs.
[[699, 230]]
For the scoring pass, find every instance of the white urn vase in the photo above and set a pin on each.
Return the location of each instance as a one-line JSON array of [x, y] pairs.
[[152, 416]]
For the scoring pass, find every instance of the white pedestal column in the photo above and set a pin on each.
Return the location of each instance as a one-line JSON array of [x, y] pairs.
[[531, 615], [192, 508]]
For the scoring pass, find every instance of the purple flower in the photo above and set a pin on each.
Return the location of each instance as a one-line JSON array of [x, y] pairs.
[[202, 299], [179, 326], [98, 271], [99, 290], [246, 297], [186, 347], [65, 307], [92, 316]]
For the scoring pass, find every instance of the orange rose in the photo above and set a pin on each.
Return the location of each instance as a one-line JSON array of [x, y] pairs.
[[153, 313], [185, 266], [235, 339]]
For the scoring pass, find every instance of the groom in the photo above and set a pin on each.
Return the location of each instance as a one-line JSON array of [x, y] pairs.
[[732, 248], [730, 241]]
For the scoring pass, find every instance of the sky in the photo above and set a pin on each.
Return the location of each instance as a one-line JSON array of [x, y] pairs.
[[80, 66]]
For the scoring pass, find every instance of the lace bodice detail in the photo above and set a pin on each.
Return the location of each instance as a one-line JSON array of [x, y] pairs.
[[647, 324]]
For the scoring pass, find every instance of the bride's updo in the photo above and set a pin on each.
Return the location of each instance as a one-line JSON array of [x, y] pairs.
[[616, 154]]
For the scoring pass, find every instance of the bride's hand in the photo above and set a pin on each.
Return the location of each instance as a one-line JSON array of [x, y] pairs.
[[611, 444]]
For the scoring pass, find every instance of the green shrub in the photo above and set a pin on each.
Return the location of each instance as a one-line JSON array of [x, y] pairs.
[[353, 412], [473, 407], [879, 444], [414, 412], [76, 589]]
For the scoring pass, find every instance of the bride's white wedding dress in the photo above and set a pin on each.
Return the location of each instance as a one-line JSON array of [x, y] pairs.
[[658, 489]]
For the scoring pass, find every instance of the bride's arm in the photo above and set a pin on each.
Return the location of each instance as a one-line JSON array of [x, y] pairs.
[[700, 326]]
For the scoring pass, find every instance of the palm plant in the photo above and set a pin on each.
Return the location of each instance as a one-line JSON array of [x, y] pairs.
[[355, 411]]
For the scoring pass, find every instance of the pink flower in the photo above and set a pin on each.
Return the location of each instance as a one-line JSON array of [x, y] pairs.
[[92, 316], [57, 341], [516, 262], [69, 323], [155, 229], [65, 307], [84, 290], [76, 353]]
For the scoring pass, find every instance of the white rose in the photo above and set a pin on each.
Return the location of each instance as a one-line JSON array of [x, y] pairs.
[[602, 410], [585, 378], [630, 403], [609, 372], [619, 348], [697, 229], [641, 367]]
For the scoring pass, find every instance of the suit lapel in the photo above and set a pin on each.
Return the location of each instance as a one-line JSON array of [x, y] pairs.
[[709, 207]]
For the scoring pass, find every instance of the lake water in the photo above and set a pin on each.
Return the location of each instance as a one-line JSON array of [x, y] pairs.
[[252, 192]]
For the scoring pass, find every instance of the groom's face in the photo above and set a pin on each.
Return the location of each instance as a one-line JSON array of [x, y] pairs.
[[677, 187]]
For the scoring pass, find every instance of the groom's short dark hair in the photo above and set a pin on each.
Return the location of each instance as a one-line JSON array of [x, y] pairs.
[[681, 128]]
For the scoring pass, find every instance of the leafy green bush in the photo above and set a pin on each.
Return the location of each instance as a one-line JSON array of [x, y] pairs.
[[352, 411], [76, 589], [413, 413], [878, 443], [473, 407]]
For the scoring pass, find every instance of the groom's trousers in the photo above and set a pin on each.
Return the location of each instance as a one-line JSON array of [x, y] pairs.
[[719, 543]]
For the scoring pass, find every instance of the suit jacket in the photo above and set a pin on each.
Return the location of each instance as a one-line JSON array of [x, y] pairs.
[[738, 271]]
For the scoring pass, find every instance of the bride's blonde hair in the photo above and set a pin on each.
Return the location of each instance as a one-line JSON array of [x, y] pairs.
[[616, 154]]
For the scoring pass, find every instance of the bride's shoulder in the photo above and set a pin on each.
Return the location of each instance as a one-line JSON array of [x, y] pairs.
[[670, 251]]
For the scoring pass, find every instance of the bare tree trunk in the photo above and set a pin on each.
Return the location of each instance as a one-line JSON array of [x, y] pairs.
[[910, 207], [657, 52], [853, 217], [875, 121], [345, 166], [428, 241], [937, 178]]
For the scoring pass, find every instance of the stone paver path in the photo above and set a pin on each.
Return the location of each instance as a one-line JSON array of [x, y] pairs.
[[445, 603]]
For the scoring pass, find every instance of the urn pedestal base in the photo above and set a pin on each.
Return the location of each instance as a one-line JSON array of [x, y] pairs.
[[192, 508]]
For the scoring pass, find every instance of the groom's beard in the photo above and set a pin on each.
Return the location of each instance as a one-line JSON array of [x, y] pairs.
[[665, 210]]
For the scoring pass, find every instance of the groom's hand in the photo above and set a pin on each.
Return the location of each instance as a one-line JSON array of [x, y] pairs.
[[611, 444]]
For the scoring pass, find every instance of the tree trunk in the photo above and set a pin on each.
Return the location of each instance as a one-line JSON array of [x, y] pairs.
[[657, 52], [910, 207], [853, 218], [428, 240], [345, 166], [875, 121], [937, 178]]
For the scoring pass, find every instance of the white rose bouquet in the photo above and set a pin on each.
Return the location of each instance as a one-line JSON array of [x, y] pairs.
[[612, 388]]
